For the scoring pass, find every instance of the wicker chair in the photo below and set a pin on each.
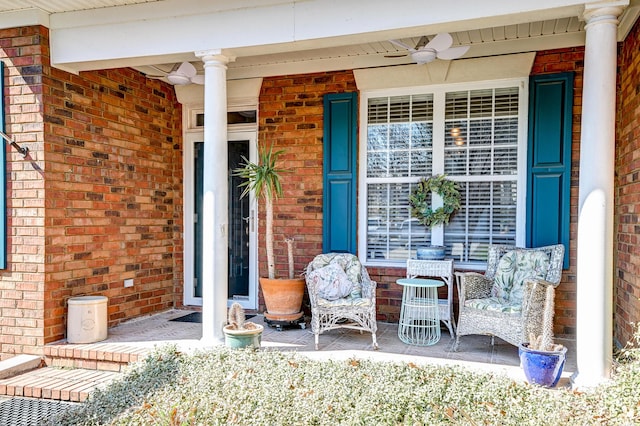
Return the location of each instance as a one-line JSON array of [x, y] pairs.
[[508, 300], [354, 307]]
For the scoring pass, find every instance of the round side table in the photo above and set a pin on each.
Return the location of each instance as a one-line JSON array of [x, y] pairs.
[[419, 315]]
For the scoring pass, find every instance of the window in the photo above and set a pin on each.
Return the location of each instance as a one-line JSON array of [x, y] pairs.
[[475, 136]]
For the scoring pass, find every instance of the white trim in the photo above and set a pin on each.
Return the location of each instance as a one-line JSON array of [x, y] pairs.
[[523, 136], [438, 92], [437, 161], [189, 210], [239, 93], [24, 18]]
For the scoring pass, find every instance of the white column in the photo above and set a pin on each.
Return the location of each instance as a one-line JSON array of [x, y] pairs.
[[215, 200], [596, 195]]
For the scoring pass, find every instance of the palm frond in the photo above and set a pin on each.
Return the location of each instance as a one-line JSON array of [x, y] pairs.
[[263, 177]]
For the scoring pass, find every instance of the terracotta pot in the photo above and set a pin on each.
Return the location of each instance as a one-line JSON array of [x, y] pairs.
[[283, 298]]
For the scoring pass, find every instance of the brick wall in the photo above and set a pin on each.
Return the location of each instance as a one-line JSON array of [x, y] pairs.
[[22, 283], [291, 118], [549, 62], [627, 197], [99, 201]]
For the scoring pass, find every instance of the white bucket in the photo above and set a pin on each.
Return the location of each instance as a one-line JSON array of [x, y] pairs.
[[87, 319]]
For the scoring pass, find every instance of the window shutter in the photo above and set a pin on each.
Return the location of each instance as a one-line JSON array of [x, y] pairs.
[[339, 173], [3, 179], [549, 160]]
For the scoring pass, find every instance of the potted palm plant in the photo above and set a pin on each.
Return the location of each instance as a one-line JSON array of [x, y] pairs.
[[422, 211], [283, 297], [541, 359]]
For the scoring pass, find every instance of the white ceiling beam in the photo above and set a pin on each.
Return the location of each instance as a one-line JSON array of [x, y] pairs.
[[24, 18], [84, 39]]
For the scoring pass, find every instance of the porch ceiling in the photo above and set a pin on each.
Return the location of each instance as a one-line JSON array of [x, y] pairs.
[[59, 6], [269, 50]]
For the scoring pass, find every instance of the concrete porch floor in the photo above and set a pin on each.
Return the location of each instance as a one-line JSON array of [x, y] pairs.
[[475, 352]]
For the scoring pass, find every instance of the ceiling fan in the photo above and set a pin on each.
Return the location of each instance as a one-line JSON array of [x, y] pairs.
[[438, 48], [180, 74]]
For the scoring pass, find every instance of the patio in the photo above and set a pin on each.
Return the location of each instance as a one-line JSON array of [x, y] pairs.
[[476, 352]]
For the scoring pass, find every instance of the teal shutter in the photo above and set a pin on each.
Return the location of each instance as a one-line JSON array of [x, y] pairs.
[[549, 160], [3, 179], [339, 173]]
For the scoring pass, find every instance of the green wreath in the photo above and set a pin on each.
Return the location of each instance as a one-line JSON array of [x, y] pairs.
[[421, 204]]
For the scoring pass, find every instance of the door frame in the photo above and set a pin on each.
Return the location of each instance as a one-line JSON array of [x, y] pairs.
[[189, 299]]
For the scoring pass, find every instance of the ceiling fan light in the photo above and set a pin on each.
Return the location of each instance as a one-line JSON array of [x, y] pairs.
[[423, 56], [178, 79]]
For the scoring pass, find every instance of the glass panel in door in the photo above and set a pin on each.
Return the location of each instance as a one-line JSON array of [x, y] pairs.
[[239, 223]]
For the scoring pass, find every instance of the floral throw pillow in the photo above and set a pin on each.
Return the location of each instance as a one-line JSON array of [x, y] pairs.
[[514, 268], [332, 282]]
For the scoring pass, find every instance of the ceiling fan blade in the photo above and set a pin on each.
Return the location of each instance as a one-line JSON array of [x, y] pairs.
[[453, 52], [398, 55], [197, 79], [187, 69], [401, 44], [440, 42]]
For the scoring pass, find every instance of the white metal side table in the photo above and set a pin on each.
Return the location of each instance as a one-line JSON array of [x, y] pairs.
[[419, 314], [442, 269]]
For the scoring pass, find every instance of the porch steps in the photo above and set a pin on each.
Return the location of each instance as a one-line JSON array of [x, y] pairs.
[[93, 356], [73, 385], [70, 372]]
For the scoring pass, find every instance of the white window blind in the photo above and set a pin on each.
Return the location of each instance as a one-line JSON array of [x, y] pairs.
[[474, 137]]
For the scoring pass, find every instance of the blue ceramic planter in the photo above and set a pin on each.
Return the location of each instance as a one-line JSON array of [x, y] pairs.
[[431, 252], [542, 368]]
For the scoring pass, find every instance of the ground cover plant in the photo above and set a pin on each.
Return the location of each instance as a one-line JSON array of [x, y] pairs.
[[248, 387]]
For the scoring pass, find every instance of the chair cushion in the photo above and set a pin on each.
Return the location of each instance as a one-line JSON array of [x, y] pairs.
[[513, 269], [494, 304], [332, 282], [349, 263]]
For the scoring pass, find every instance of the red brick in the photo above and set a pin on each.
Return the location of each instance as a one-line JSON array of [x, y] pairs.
[[627, 200]]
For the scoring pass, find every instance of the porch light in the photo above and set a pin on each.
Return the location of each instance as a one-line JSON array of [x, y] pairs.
[[21, 149]]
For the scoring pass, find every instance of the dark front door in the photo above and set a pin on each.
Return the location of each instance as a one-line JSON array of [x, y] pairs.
[[239, 223]]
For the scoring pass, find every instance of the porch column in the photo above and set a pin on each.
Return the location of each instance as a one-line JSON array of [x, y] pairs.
[[596, 195], [215, 200]]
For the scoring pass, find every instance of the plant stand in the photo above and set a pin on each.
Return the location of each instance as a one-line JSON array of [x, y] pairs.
[[280, 322]]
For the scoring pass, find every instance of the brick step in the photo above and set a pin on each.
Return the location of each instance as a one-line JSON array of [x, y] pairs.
[[72, 385], [95, 356]]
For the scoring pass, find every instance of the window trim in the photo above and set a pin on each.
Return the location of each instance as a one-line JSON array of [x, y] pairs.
[[439, 92]]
